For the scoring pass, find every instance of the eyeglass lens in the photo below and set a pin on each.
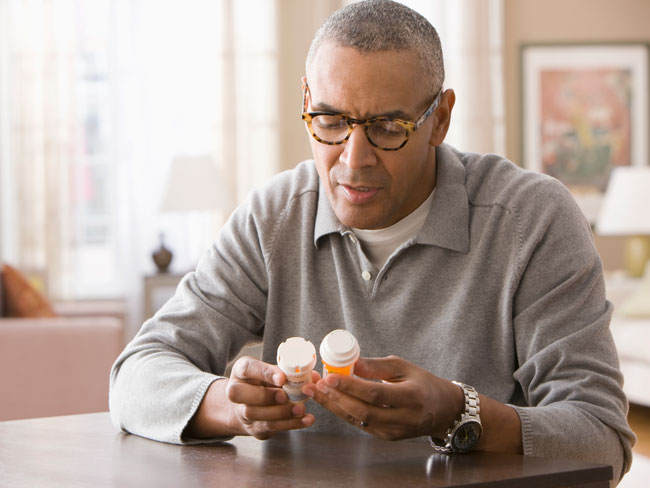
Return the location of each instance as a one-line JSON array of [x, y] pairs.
[[383, 133]]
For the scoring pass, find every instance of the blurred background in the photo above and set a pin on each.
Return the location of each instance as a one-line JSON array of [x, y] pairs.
[[130, 130]]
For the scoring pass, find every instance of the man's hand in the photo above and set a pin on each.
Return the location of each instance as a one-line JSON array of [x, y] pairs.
[[250, 402], [260, 405], [410, 402]]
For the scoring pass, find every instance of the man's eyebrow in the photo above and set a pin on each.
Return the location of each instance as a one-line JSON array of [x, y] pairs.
[[395, 114]]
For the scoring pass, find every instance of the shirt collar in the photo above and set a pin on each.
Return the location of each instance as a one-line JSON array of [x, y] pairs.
[[447, 224], [326, 220]]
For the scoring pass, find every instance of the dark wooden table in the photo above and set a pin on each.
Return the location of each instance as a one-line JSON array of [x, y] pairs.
[[86, 450]]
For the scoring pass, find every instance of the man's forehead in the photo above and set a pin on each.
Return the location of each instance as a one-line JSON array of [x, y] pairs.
[[332, 55], [343, 79]]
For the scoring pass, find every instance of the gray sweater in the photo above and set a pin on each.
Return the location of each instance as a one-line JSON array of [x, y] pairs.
[[501, 289]]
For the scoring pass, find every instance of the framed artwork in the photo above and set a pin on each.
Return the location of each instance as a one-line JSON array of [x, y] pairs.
[[584, 111]]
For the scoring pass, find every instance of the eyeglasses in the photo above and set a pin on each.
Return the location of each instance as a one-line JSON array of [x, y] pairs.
[[387, 133]]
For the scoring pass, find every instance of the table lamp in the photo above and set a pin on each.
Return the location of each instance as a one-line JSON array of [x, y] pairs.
[[626, 212], [192, 185]]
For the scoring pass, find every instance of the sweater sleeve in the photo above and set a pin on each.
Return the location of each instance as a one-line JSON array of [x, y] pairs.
[[159, 380], [567, 368]]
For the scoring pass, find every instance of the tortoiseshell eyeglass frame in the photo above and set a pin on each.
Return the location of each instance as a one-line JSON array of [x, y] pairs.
[[408, 126]]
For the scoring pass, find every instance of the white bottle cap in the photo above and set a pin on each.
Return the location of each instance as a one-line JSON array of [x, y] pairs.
[[339, 348], [296, 355]]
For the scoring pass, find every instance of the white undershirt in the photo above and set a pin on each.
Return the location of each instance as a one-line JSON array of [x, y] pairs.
[[381, 243]]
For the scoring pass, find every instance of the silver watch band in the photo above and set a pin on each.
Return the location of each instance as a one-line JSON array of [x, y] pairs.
[[472, 412]]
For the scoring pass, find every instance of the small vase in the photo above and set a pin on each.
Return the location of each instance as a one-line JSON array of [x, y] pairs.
[[162, 257]]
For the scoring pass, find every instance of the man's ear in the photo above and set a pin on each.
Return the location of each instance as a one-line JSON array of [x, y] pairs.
[[443, 117]]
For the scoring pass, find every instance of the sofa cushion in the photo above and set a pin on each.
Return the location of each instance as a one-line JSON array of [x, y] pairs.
[[57, 366], [21, 299]]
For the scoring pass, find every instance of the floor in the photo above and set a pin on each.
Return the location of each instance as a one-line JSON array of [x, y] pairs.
[[639, 474]]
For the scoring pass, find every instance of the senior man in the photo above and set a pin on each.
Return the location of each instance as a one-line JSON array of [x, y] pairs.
[[473, 286]]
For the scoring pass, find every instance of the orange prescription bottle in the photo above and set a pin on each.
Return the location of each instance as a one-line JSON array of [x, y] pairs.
[[296, 358], [339, 350]]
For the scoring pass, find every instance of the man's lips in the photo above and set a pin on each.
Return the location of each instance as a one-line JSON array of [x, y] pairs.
[[359, 194]]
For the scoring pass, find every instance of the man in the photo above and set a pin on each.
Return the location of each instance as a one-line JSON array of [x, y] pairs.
[[464, 266]]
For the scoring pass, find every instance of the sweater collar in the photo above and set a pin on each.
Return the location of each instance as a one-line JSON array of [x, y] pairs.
[[447, 224]]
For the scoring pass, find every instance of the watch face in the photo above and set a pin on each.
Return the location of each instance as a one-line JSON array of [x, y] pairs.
[[466, 436]]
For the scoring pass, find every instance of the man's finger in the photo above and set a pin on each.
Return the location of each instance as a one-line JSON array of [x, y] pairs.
[[315, 376], [253, 370], [369, 392], [266, 429], [248, 394], [390, 368], [288, 411], [353, 410]]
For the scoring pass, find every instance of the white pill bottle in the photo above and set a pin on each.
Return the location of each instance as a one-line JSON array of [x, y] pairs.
[[339, 350], [296, 358]]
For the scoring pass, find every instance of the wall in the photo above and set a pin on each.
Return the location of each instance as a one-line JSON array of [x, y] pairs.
[[543, 21]]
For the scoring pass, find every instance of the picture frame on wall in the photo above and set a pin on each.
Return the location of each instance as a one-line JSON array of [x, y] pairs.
[[585, 110]]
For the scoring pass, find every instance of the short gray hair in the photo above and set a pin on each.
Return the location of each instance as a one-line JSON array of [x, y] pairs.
[[383, 25]]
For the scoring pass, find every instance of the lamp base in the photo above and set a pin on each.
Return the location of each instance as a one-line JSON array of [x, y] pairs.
[[638, 304], [637, 254]]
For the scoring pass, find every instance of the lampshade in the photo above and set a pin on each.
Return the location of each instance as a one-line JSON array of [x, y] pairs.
[[626, 206], [194, 184]]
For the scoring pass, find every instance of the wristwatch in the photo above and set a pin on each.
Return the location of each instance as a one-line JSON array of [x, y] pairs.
[[465, 432]]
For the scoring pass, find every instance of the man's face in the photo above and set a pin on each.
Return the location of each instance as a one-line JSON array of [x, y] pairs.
[[370, 188]]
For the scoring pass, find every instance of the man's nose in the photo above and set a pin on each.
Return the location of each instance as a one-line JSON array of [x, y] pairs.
[[358, 152]]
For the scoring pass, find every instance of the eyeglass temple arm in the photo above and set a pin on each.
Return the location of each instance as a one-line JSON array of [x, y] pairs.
[[305, 89]]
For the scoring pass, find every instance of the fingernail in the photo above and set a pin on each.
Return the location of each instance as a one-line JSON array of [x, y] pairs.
[[307, 420], [281, 397], [322, 388], [277, 379], [332, 381], [309, 393], [298, 410]]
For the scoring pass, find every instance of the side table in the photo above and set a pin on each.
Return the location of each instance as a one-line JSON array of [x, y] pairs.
[[158, 288]]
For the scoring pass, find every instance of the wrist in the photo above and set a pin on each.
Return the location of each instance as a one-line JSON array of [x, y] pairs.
[[455, 400], [215, 416], [466, 430], [501, 427]]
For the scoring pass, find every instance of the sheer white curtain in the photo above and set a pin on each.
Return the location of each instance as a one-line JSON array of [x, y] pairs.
[[39, 134], [98, 98]]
